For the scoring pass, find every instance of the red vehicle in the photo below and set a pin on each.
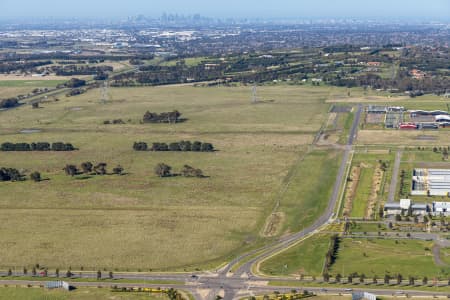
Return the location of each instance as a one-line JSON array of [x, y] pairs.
[[408, 126]]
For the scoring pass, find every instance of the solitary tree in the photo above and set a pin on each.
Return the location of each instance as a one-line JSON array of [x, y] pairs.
[[425, 280], [338, 277], [71, 170], [118, 170], [110, 275], [100, 169], [35, 176], [411, 280], [399, 278], [387, 278], [163, 170], [99, 274], [57, 272], [362, 278], [189, 171], [86, 167]]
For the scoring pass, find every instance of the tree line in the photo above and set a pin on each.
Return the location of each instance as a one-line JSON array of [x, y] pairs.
[[70, 70], [331, 255], [39, 146], [11, 174], [164, 117], [91, 169], [176, 146], [163, 170], [7, 67]]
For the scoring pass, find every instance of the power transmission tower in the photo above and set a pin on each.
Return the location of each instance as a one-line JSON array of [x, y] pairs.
[[105, 97]]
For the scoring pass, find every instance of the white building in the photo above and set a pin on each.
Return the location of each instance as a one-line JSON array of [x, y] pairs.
[[441, 208]]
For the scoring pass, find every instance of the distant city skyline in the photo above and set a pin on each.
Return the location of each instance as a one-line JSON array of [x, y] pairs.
[[357, 9]]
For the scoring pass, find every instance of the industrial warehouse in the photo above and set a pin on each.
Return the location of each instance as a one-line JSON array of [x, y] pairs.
[[431, 182], [397, 117], [407, 208]]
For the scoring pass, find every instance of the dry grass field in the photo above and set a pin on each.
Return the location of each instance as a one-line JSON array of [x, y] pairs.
[[140, 221], [404, 137]]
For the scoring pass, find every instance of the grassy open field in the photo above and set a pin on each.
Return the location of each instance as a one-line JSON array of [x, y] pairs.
[[305, 258], [395, 137], [379, 257], [31, 83], [20, 293], [140, 221], [12, 87], [362, 193], [310, 183]]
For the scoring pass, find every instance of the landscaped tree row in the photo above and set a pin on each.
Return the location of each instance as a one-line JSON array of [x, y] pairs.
[[165, 117], [331, 254], [39, 146], [177, 146]]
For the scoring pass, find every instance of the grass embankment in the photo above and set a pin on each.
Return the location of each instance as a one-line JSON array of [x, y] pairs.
[[377, 257], [305, 258], [309, 190]]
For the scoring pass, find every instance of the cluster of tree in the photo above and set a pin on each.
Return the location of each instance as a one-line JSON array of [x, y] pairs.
[[8, 103], [402, 83], [101, 76], [10, 174], [176, 146], [163, 170], [7, 67], [71, 70], [75, 83], [91, 169], [39, 146], [79, 58], [164, 117], [75, 92], [159, 75], [443, 150], [115, 121], [331, 255]]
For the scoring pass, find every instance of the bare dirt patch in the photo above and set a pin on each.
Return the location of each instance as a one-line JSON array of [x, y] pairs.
[[273, 224], [376, 186], [375, 118], [350, 189]]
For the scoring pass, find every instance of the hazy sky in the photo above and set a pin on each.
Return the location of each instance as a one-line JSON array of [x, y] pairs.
[[429, 9]]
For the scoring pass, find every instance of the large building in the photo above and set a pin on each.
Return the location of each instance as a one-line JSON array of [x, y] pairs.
[[432, 182], [441, 208], [405, 207]]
